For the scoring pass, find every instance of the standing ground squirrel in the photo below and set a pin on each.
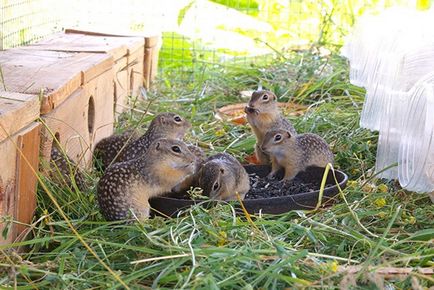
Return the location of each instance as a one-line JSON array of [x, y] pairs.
[[263, 115], [295, 153], [221, 176], [128, 185], [129, 146]]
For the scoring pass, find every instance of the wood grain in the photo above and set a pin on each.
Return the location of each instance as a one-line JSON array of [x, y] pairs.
[[27, 168], [53, 75], [10, 173], [16, 111]]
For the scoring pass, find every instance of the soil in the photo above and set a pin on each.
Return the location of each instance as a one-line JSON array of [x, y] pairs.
[[262, 187], [266, 188]]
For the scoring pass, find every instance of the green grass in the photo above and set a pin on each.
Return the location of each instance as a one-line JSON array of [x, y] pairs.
[[377, 224]]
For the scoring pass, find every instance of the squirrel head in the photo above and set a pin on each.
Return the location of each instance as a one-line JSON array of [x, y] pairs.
[[171, 159], [274, 140], [261, 102], [216, 181], [171, 124]]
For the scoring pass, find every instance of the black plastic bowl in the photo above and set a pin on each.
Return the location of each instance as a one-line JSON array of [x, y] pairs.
[[170, 206]]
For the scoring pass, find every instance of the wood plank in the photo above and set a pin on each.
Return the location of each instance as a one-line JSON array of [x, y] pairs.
[[16, 111], [7, 185], [103, 63], [152, 38], [27, 168], [81, 120], [117, 47], [69, 121], [136, 71], [154, 66], [121, 85], [152, 41], [151, 63], [101, 90], [56, 74]]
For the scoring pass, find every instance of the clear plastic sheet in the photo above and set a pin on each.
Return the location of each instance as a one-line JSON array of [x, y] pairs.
[[391, 55]]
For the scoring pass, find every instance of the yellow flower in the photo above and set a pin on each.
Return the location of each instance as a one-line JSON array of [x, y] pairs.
[[352, 183], [383, 188], [411, 220], [382, 214], [223, 239], [380, 202], [334, 266], [220, 132]]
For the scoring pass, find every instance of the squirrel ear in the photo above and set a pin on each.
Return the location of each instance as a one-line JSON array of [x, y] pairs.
[[157, 147], [289, 134], [162, 120]]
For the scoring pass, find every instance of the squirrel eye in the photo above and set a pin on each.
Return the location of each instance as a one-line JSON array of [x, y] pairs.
[[177, 119], [176, 149], [215, 186], [265, 97], [278, 137]]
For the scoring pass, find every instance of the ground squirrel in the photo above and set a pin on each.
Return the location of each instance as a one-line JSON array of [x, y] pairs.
[[128, 185], [263, 115], [190, 180], [221, 176], [164, 125], [294, 153], [62, 169]]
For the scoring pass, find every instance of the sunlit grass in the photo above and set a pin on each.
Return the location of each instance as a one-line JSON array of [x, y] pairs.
[[379, 225]]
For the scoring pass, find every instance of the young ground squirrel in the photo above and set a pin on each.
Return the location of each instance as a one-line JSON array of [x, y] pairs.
[[190, 180], [221, 176], [294, 153], [127, 186], [62, 169], [263, 115], [129, 146]]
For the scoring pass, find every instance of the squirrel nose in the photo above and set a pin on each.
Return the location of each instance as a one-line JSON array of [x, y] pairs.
[[249, 109]]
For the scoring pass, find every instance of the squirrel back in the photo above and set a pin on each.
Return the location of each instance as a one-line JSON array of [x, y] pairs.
[[295, 153], [127, 146]]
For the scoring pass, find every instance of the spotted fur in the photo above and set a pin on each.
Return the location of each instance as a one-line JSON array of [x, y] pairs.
[[222, 176], [263, 116], [128, 146], [294, 153], [126, 187]]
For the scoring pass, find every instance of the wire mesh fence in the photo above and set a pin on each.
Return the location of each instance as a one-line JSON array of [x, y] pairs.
[[195, 32], [22, 22]]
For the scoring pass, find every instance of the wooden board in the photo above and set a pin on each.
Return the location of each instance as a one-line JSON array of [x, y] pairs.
[[117, 47], [127, 52], [150, 65], [16, 111], [54, 75], [17, 181], [153, 43], [69, 122], [136, 71], [27, 168], [101, 90], [81, 120]]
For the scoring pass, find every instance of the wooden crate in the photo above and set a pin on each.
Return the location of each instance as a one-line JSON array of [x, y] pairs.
[[152, 40], [127, 52], [19, 147], [76, 91]]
